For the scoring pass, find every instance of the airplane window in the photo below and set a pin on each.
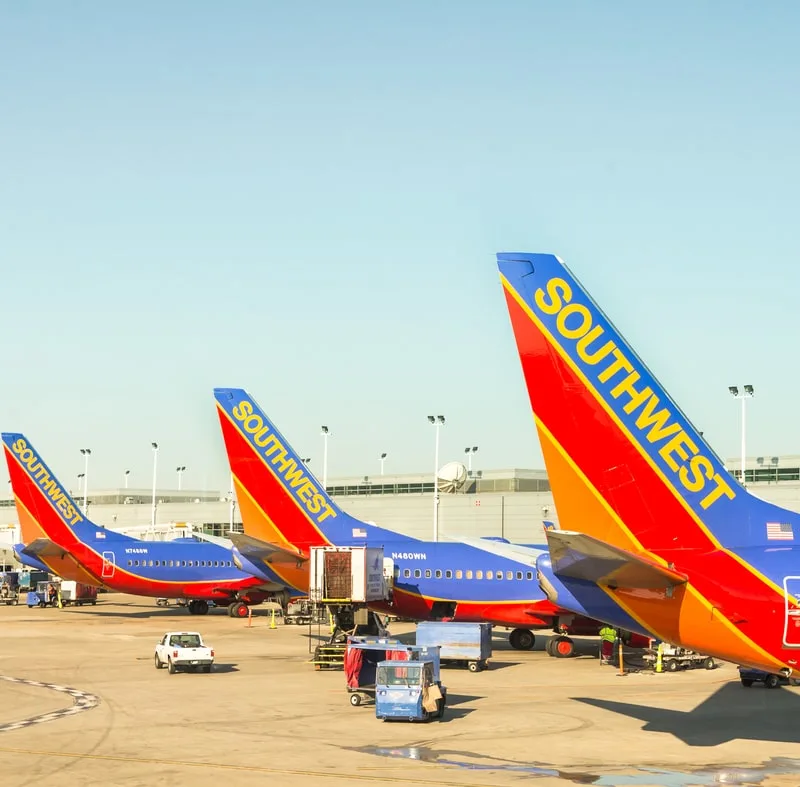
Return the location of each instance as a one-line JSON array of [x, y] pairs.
[[129, 562], [489, 575], [519, 575], [417, 573], [427, 573], [229, 564], [438, 573], [171, 563], [499, 574], [459, 574], [150, 563], [479, 575], [509, 575], [448, 574], [216, 564], [183, 562], [529, 575], [469, 574], [407, 573]]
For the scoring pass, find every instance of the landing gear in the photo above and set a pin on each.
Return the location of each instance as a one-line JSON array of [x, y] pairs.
[[198, 607], [521, 639], [238, 609], [560, 647]]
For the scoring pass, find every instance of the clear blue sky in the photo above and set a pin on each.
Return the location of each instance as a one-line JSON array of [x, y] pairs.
[[305, 199]]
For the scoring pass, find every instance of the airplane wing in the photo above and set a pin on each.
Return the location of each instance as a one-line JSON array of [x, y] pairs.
[[522, 553], [256, 549], [580, 556]]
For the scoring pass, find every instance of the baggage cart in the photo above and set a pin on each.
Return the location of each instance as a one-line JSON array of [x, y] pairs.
[[465, 644]]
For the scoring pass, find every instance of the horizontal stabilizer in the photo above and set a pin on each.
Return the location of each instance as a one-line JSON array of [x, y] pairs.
[[44, 547], [580, 556], [256, 549]]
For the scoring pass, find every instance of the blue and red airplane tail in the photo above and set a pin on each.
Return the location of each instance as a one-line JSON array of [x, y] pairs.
[[280, 500], [51, 522], [625, 463]]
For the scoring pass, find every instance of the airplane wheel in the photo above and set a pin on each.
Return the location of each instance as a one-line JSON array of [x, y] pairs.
[[747, 682], [562, 647], [239, 609], [521, 639], [198, 607], [772, 681]]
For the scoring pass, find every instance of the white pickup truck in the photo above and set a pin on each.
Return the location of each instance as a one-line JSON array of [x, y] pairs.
[[183, 650]]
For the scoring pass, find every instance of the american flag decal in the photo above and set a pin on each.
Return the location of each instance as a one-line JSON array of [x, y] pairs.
[[779, 531]]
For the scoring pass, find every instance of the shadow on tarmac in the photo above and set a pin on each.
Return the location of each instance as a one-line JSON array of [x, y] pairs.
[[732, 712]]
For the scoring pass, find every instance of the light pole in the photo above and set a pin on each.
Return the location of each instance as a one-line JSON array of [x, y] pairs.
[[469, 452], [325, 435], [232, 505], [437, 422], [306, 461], [80, 476], [179, 471], [127, 473], [744, 395], [383, 459], [155, 466], [86, 453]]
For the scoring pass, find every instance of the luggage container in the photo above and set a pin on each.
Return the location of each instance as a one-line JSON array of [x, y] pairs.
[[467, 644], [77, 593]]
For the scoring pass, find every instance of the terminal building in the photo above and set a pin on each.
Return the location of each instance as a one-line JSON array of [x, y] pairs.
[[510, 503]]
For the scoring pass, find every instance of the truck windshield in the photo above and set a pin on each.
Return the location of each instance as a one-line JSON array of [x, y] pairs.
[[398, 676]]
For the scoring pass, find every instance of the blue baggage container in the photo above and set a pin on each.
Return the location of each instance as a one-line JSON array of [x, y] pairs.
[[468, 644]]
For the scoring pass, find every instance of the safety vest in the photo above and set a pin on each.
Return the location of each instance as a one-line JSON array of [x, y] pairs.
[[608, 634]]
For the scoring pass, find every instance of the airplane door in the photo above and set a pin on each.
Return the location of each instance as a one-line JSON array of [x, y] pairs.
[[791, 629], [108, 565]]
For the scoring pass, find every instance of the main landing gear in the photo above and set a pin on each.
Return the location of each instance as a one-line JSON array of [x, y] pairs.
[[198, 607], [238, 609], [521, 639], [558, 646]]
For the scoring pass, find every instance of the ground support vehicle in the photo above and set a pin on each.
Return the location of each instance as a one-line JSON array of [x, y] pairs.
[[410, 690], [77, 593], [183, 650], [674, 658], [749, 676], [464, 644], [9, 593]]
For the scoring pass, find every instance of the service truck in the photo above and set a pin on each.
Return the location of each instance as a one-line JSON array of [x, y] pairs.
[[183, 650]]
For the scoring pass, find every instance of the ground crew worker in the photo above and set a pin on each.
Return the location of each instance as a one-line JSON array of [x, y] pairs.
[[51, 594], [608, 636]]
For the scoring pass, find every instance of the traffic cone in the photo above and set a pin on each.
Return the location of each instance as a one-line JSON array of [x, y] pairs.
[[272, 620]]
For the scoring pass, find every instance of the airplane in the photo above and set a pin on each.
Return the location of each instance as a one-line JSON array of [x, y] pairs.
[[654, 531], [71, 546], [284, 506]]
